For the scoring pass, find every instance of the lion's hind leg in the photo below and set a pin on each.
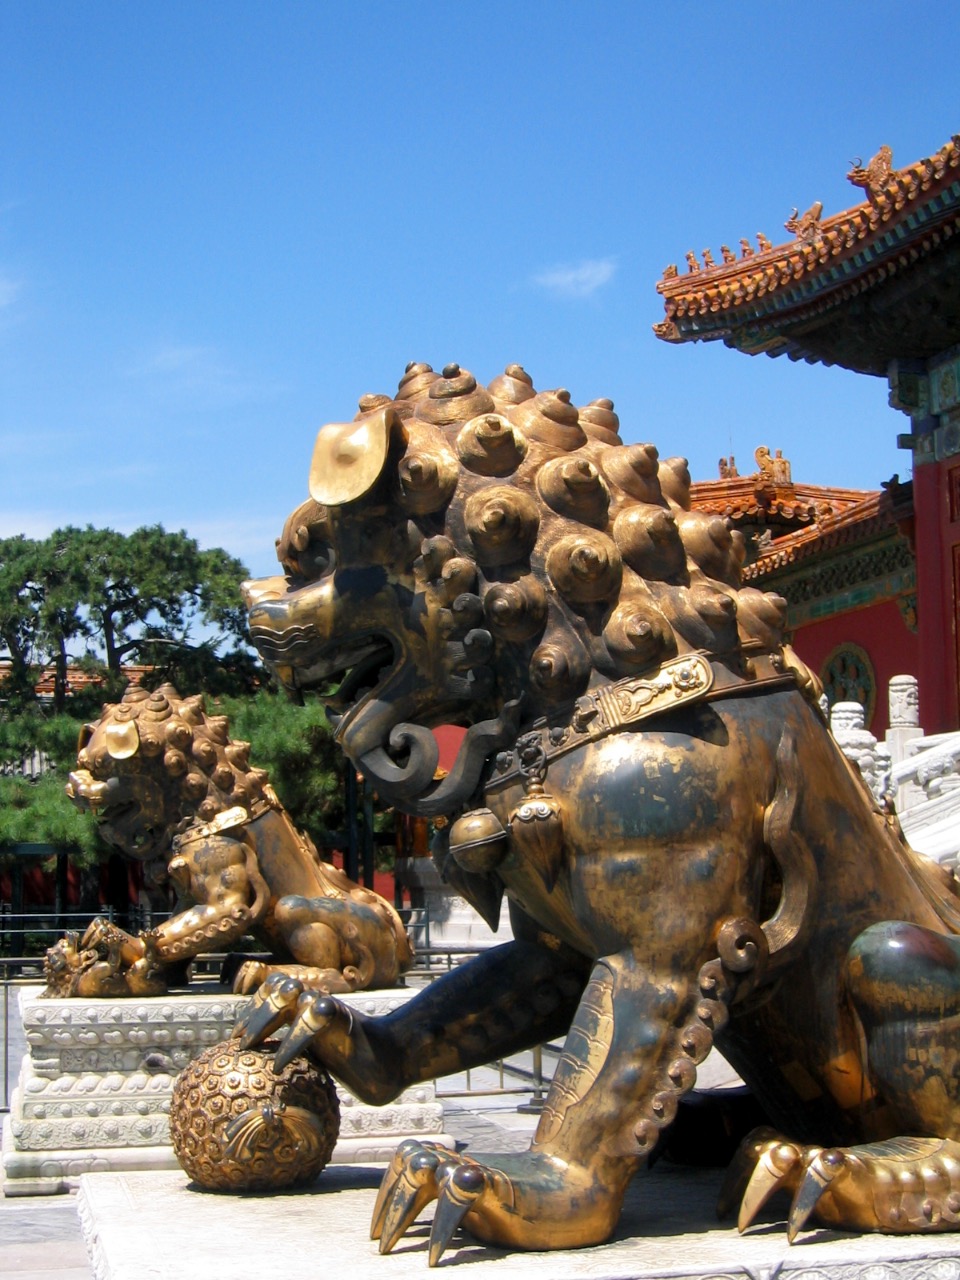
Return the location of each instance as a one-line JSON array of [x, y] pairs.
[[336, 945], [253, 973], [903, 1185], [903, 983]]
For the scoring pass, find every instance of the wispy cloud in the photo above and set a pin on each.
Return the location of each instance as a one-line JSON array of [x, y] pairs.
[[9, 290], [578, 279], [185, 363], [200, 372]]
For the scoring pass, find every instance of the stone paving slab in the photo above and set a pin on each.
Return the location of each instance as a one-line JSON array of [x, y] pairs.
[[44, 1262], [55, 1223], [42, 1245], [668, 1229]]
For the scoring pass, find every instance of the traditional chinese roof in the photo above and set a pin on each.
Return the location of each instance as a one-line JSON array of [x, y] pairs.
[[877, 515], [852, 560], [878, 282], [748, 498], [768, 504], [78, 680]]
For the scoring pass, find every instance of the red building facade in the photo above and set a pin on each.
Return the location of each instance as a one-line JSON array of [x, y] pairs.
[[875, 289], [844, 561]]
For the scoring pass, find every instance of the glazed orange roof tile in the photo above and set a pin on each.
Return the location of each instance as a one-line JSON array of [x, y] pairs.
[[785, 299], [769, 495], [78, 679], [743, 498], [879, 512]]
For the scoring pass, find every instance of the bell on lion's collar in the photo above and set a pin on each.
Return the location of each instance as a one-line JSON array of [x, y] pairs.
[[478, 842], [536, 829]]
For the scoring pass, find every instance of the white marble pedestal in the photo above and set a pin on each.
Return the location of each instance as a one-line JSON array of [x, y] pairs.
[[154, 1226], [94, 1090], [453, 921]]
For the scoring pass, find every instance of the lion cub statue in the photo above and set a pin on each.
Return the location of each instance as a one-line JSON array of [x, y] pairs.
[[167, 782]]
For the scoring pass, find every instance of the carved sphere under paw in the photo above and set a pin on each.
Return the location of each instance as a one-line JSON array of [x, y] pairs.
[[236, 1126]]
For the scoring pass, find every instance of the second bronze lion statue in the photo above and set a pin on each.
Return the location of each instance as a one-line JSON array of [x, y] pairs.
[[169, 786], [646, 776]]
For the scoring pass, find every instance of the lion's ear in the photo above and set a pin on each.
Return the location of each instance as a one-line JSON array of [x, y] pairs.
[[348, 457], [123, 740]]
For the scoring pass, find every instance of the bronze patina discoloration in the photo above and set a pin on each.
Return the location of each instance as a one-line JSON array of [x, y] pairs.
[[646, 776]]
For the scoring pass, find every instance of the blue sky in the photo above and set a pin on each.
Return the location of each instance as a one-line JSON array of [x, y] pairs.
[[221, 223]]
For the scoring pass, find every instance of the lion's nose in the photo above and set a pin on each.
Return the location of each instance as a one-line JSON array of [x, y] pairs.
[[254, 590], [84, 791]]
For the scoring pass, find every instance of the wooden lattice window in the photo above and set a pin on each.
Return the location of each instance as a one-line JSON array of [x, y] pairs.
[[848, 676]]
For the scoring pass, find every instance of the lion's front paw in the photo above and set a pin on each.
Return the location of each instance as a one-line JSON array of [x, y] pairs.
[[250, 977], [526, 1201], [900, 1185], [273, 1006]]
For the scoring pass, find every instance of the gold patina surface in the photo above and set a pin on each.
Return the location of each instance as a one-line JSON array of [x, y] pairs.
[[172, 789], [647, 778]]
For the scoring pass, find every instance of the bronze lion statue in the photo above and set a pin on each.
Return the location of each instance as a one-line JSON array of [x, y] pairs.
[[646, 776], [171, 788]]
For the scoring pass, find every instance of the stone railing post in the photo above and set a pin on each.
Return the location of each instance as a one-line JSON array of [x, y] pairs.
[[860, 746]]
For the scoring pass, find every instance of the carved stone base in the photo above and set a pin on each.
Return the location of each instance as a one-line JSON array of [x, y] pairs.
[[453, 922], [152, 1225], [94, 1090]]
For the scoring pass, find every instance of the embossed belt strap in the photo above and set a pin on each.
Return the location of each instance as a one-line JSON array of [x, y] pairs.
[[231, 819], [225, 820], [675, 683]]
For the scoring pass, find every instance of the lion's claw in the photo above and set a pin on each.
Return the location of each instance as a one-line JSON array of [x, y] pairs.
[[311, 1014], [389, 1181], [780, 1165], [250, 977], [819, 1170], [272, 1007], [409, 1193], [461, 1186], [901, 1184], [419, 1173], [742, 1168]]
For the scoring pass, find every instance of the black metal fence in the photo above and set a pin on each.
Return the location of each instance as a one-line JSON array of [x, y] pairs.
[[30, 933], [523, 1075]]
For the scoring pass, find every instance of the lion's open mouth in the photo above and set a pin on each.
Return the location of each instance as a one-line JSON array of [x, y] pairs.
[[126, 822], [349, 676], [362, 676]]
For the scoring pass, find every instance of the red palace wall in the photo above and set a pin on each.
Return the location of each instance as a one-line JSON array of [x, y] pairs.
[[936, 499], [893, 649], [449, 737]]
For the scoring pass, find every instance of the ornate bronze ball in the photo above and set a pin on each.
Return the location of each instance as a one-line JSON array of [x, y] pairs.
[[236, 1126], [478, 841]]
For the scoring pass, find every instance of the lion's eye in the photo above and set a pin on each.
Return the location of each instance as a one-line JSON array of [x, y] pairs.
[[317, 560], [101, 766]]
